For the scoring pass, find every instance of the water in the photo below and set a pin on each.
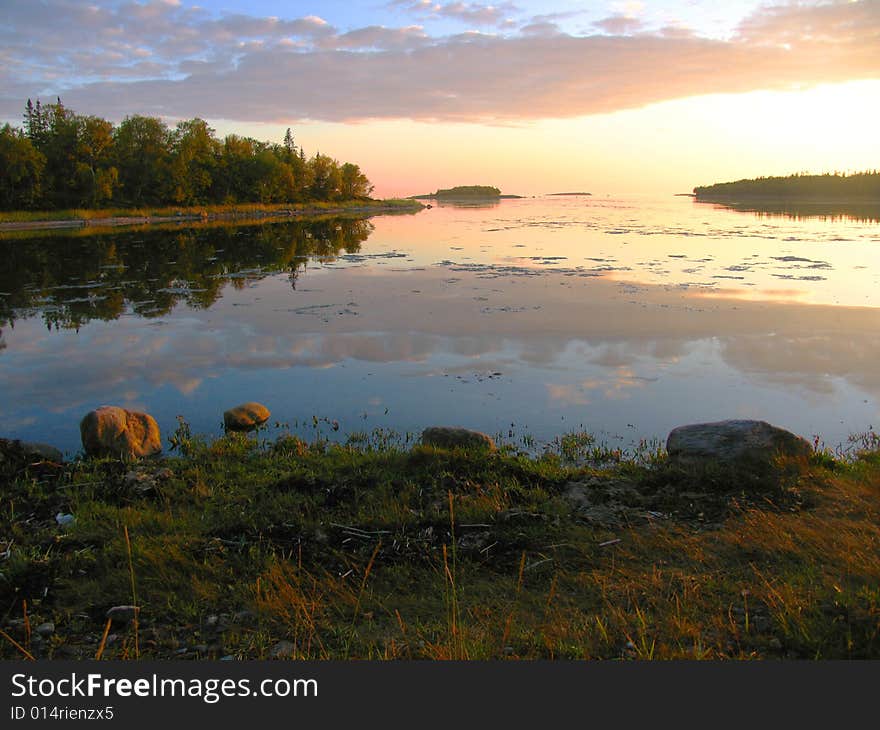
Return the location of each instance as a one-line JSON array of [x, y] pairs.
[[525, 319]]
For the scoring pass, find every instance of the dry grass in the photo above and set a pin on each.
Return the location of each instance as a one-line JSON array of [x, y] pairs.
[[433, 554]]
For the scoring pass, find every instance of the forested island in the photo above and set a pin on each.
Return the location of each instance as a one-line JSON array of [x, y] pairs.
[[862, 187], [466, 192], [60, 160]]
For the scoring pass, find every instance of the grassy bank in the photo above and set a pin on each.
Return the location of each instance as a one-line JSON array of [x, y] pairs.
[[10, 220], [250, 549]]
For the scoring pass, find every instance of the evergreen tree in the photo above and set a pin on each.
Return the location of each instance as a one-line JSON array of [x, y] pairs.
[[21, 170], [61, 159]]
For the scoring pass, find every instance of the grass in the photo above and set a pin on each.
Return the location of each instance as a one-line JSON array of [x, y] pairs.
[[375, 550], [241, 209]]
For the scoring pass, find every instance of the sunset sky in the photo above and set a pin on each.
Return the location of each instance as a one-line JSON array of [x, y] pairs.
[[609, 97]]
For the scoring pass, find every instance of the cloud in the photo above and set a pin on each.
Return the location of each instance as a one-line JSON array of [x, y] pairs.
[[468, 13], [379, 37], [544, 28], [619, 24], [839, 22], [476, 13], [184, 63]]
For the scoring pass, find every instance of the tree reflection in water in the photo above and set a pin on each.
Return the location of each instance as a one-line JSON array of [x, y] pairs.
[[70, 279]]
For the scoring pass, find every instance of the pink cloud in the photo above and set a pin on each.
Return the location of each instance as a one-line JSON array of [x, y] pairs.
[[270, 70]]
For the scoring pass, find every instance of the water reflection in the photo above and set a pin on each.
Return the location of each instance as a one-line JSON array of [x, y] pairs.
[[72, 279], [476, 204], [862, 212], [549, 316], [403, 351]]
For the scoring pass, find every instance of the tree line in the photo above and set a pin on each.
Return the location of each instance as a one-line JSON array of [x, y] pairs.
[[60, 159], [864, 186]]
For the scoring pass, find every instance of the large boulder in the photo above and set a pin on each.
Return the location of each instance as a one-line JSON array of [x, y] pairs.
[[445, 437], [734, 442], [245, 417], [114, 431]]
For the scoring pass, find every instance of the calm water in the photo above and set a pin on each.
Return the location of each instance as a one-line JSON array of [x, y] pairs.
[[530, 318]]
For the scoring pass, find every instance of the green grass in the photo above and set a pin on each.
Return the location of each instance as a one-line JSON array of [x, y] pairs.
[[198, 210], [379, 551]]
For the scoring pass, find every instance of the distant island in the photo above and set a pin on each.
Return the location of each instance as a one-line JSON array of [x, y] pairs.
[[466, 192], [570, 193], [862, 187]]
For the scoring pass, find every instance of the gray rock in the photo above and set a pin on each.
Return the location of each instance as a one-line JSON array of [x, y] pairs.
[[42, 451], [283, 650], [46, 629], [736, 441], [20, 452], [123, 613], [474, 540], [245, 618], [245, 417], [114, 431], [445, 437], [599, 503]]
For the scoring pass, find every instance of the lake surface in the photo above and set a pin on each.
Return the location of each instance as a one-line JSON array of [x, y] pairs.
[[625, 317]]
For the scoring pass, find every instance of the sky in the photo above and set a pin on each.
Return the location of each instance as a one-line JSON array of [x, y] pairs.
[[614, 97]]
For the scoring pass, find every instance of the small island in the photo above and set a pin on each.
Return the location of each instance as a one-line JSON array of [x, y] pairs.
[[466, 192], [862, 187], [570, 193]]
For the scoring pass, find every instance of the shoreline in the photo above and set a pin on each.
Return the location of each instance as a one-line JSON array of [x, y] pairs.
[[200, 215]]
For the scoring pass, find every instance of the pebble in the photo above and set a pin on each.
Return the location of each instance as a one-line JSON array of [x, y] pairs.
[[46, 629], [282, 650], [123, 613], [244, 617]]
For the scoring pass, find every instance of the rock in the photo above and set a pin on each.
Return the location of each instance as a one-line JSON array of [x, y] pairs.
[[245, 417], [244, 618], [114, 431], [42, 451], [64, 520], [456, 438], [283, 650], [738, 441], [474, 541], [123, 613], [22, 453], [46, 629], [600, 505]]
